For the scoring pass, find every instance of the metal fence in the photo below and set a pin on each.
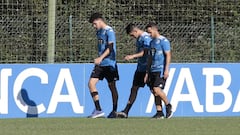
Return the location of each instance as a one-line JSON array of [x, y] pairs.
[[199, 30]]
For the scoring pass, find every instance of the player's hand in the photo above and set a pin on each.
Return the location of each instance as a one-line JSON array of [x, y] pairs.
[[97, 61], [166, 74], [129, 57], [146, 78]]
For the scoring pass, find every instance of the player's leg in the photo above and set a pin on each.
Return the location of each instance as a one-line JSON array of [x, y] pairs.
[[157, 85], [138, 82], [114, 92], [157, 99], [163, 96], [111, 74], [132, 98], [158, 103], [94, 93], [95, 76]]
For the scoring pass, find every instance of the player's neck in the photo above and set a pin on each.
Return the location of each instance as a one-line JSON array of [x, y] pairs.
[[104, 25], [140, 32], [157, 35]]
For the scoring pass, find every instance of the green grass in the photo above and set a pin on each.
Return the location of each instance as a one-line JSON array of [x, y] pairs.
[[130, 126]]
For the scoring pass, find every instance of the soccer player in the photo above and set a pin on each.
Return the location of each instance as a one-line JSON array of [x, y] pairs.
[[105, 65], [143, 40], [159, 58]]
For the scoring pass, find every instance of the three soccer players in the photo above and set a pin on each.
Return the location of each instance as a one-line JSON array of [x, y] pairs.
[[153, 53]]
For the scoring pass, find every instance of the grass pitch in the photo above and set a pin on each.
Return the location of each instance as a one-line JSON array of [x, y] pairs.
[[130, 126]]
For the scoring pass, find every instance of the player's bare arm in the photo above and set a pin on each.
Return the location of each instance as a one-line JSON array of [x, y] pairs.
[[133, 56], [99, 59], [167, 64]]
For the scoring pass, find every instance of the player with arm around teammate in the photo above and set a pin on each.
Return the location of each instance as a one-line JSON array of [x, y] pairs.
[[159, 58], [143, 40], [105, 65]]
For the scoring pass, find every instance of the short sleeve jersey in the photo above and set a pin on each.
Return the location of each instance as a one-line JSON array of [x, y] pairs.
[[159, 46], [142, 42], [104, 37]]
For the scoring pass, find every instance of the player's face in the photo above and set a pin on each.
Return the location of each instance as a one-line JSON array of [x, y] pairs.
[[150, 31], [97, 24], [134, 34]]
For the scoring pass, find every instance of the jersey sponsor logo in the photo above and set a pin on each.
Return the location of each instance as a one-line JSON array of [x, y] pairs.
[[100, 41], [153, 51]]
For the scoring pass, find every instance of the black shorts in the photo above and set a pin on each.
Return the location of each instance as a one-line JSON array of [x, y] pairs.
[[138, 79], [108, 72], [154, 80]]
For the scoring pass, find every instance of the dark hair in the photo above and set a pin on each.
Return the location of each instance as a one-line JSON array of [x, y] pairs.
[[130, 28], [152, 24], [95, 16]]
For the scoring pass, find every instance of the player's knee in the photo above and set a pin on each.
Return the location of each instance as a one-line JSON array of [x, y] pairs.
[[156, 90], [91, 85], [154, 93]]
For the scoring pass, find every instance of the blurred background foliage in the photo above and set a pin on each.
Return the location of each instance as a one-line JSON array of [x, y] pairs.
[[186, 23]]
